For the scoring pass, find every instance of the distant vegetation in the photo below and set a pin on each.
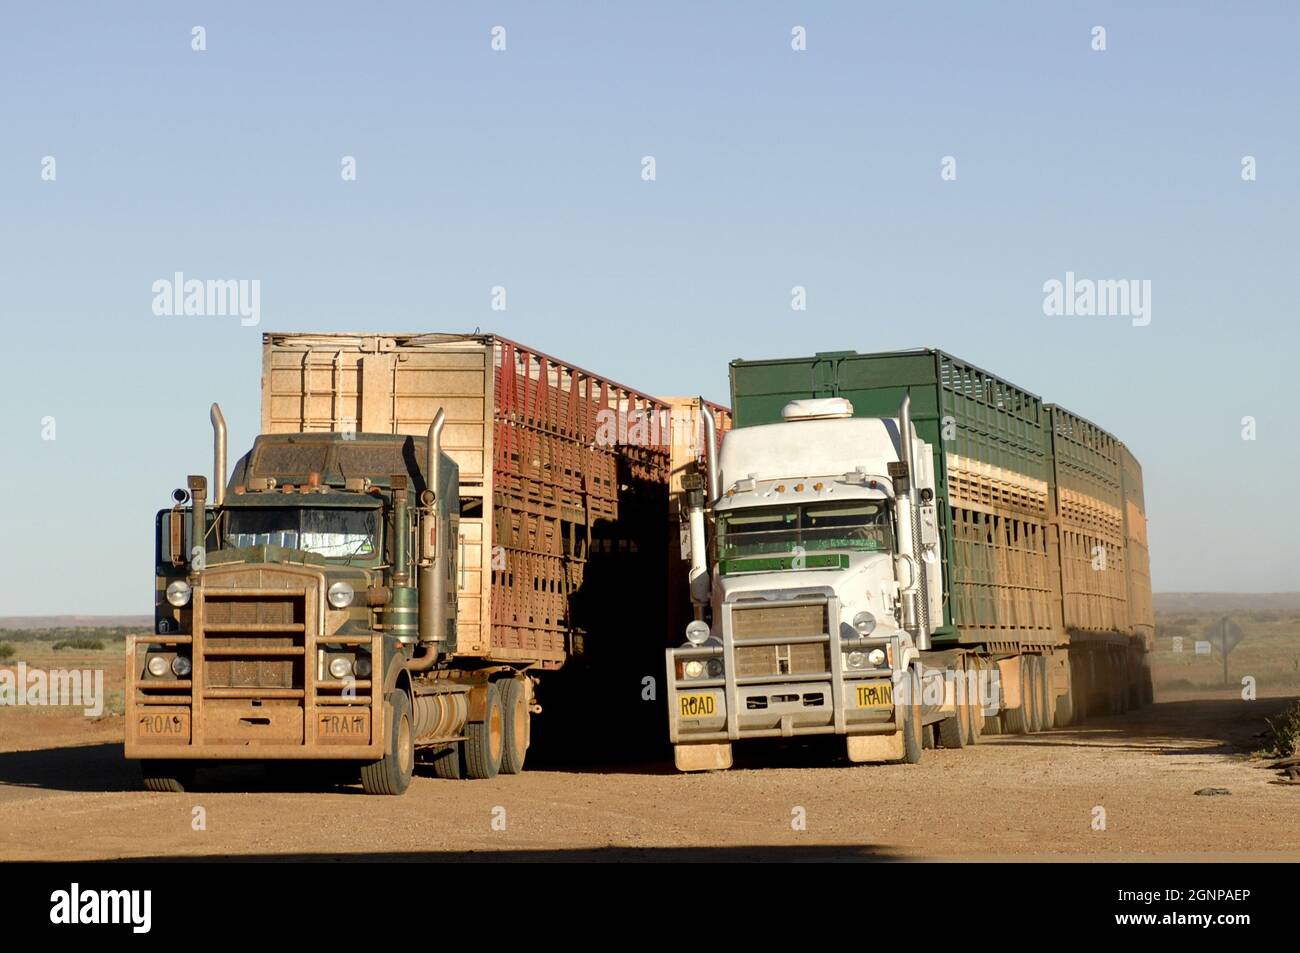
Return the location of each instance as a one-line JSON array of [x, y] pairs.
[[91, 645], [6, 650], [69, 636]]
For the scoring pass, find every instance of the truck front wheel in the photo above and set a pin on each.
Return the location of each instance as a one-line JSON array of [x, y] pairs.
[[391, 774], [167, 777], [910, 719]]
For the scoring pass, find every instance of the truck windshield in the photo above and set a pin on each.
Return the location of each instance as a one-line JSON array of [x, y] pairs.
[[862, 525], [330, 532]]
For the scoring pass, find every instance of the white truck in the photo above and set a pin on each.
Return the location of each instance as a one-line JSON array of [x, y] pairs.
[[826, 580]]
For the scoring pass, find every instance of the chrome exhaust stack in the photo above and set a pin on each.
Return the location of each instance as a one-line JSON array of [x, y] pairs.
[[218, 456]]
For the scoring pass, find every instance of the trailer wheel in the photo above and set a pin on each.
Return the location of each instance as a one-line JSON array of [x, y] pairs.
[[953, 731], [485, 739], [1047, 697], [514, 712], [1065, 703], [391, 774], [1034, 698], [1015, 721], [974, 709], [447, 761], [911, 720], [167, 777]]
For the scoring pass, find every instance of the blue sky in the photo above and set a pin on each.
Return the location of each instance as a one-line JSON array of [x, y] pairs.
[[522, 168]]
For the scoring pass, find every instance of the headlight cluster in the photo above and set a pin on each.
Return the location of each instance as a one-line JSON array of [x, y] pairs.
[[159, 665], [702, 668], [178, 593], [341, 594], [346, 666], [873, 659], [864, 623]]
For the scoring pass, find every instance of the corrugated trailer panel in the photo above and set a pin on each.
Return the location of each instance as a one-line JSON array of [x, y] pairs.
[[1089, 505], [1140, 612], [992, 452], [561, 470]]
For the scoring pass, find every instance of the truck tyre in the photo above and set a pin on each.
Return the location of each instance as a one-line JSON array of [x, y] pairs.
[[1065, 703], [514, 717], [484, 739], [1034, 698], [911, 720], [447, 761], [1015, 721], [167, 777], [1047, 697], [391, 774], [953, 731], [992, 725], [974, 708]]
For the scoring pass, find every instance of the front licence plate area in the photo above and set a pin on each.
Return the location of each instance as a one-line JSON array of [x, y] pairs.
[[873, 694]]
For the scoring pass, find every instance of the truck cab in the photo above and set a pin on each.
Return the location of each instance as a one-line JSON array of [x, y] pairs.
[[821, 590], [307, 612]]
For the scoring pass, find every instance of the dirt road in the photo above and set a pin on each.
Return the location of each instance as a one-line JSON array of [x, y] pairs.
[[1012, 798]]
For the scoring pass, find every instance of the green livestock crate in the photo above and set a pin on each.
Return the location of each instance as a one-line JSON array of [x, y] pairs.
[[993, 458]]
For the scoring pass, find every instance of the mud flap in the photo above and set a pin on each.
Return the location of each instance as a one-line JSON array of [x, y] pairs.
[[702, 757], [862, 748]]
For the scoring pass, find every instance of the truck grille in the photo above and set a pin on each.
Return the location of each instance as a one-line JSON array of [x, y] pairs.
[[254, 638], [770, 623], [804, 659]]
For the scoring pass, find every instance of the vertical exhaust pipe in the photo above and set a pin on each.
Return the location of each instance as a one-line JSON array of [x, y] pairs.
[[916, 610], [433, 449], [431, 581], [711, 452], [218, 456], [698, 577]]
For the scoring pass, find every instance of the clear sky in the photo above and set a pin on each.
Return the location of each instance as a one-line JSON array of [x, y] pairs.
[[522, 168]]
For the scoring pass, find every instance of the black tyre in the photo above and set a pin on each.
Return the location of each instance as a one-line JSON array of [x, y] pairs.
[[485, 739], [447, 761], [167, 777], [953, 731], [1065, 703], [1015, 721], [391, 774], [1034, 695], [974, 706], [1047, 695], [514, 719], [911, 720]]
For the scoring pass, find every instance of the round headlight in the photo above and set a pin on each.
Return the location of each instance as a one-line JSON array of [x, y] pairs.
[[341, 594], [694, 668], [714, 665], [340, 667], [157, 666], [877, 657], [864, 622], [361, 667], [857, 660], [180, 666], [178, 593], [697, 632]]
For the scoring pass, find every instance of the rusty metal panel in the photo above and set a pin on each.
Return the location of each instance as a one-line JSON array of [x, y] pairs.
[[564, 473]]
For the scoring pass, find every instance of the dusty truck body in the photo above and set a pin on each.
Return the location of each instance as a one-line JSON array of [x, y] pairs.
[[907, 551], [413, 544]]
